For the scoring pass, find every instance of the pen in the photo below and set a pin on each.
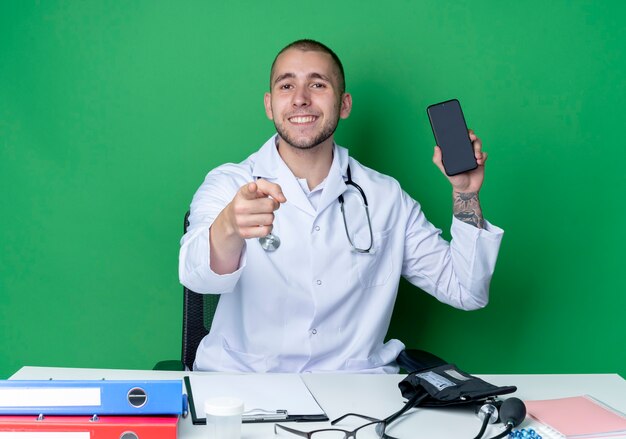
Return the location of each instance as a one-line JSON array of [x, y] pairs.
[[264, 415]]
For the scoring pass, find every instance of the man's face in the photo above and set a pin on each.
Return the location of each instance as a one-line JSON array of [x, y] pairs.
[[305, 101]]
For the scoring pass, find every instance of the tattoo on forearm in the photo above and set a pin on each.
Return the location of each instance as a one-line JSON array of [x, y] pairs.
[[467, 208]]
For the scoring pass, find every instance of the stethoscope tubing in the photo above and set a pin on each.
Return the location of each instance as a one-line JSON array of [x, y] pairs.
[[271, 242]]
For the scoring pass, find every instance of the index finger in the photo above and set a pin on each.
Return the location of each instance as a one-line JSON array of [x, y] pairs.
[[272, 189]]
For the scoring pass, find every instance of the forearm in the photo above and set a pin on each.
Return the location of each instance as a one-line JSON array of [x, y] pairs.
[[225, 246], [466, 208], [457, 273], [196, 262]]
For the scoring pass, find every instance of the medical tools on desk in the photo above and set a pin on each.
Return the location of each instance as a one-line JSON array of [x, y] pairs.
[[446, 385]]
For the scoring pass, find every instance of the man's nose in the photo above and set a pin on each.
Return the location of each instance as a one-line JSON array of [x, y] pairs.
[[301, 97]]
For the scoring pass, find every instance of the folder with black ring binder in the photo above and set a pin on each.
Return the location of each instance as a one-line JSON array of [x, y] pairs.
[[89, 397]]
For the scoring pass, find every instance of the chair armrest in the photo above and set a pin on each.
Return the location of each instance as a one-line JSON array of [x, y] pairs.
[[169, 365], [413, 360]]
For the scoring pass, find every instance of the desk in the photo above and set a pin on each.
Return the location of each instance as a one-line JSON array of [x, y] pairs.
[[379, 396]]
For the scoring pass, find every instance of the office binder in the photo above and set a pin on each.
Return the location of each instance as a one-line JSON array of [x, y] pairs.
[[92, 397], [89, 427]]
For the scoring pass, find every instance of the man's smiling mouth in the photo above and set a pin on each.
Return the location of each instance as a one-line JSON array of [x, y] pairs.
[[302, 119]]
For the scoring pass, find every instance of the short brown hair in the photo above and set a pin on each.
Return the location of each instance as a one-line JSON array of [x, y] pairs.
[[316, 46]]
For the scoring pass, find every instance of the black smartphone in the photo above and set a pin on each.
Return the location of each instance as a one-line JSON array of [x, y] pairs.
[[451, 135]]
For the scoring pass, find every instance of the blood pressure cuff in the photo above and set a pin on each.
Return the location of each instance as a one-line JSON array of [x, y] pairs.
[[446, 385]]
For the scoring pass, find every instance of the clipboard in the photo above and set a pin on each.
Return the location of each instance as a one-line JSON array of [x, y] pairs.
[[268, 397]]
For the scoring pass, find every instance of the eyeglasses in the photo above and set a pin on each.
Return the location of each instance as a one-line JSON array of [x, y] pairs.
[[375, 429]]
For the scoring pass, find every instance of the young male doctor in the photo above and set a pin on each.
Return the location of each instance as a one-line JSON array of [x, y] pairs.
[[308, 275]]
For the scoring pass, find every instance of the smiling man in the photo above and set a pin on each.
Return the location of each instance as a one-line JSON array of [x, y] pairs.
[[305, 103], [309, 273]]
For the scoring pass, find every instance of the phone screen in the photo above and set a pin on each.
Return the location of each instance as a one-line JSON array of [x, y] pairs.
[[451, 135]]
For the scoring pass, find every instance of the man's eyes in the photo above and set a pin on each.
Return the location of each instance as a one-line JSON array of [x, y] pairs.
[[316, 85]]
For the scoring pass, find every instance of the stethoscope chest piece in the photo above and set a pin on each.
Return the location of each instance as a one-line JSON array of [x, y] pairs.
[[270, 242]]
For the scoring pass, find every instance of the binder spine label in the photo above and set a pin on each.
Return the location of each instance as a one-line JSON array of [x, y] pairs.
[[43, 397], [44, 435]]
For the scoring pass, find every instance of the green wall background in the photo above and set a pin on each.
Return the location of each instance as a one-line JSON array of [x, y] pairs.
[[112, 112]]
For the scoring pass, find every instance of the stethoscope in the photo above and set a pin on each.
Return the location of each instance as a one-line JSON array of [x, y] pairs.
[[271, 242]]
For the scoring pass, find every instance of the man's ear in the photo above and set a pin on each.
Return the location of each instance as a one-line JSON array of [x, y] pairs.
[[267, 101], [346, 105]]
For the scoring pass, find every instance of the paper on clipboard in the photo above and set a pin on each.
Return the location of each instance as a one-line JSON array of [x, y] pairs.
[[266, 397]]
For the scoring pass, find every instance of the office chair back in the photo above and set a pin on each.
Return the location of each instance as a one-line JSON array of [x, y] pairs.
[[198, 312]]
